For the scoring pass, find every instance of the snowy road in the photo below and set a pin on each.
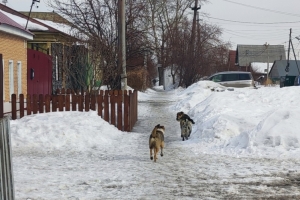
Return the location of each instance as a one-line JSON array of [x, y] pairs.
[[115, 173], [207, 180]]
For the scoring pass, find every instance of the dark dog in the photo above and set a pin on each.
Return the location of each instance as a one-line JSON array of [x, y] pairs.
[[185, 125], [157, 141], [181, 116]]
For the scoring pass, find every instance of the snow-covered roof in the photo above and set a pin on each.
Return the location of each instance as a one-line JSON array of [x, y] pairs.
[[59, 26], [8, 25], [23, 21], [260, 67]]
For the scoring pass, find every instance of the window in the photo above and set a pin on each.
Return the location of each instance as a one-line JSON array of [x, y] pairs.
[[230, 77], [245, 77], [217, 78], [11, 77], [19, 67]]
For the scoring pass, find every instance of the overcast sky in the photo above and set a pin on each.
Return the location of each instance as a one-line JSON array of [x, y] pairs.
[[242, 21]]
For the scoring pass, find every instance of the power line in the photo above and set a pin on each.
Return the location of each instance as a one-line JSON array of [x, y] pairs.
[[264, 9], [251, 22]]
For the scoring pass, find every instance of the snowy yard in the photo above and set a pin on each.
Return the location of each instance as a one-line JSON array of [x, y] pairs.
[[244, 145]]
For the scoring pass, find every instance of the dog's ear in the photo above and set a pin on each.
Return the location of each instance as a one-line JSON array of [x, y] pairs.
[[158, 125]]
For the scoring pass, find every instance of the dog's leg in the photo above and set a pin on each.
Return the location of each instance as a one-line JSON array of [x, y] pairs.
[[161, 148], [155, 154], [190, 129], [151, 156]]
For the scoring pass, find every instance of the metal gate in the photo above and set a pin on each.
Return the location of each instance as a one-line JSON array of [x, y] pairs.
[[39, 73]]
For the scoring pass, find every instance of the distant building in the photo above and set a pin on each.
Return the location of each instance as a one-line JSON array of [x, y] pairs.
[[247, 54], [279, 69]]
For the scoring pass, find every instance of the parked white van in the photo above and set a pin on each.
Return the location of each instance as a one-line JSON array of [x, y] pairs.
[[233, 79]]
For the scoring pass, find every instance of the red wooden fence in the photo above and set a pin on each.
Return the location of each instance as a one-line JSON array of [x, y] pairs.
[[116, 107]]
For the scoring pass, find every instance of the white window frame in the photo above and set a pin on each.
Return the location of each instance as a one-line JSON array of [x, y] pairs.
[[3, 80], [19, 67], [11, 77]]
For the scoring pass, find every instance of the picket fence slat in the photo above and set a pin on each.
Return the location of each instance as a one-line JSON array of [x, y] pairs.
[[68, 102], [21, 105], [117, 107]]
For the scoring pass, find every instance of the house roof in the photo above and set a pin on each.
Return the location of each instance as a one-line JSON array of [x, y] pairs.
[[49, 16], [246, 54], [33, 24], [8, 25], [279, 66]]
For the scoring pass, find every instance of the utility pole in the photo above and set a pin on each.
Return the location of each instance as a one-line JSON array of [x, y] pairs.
[[4, 2], [267, 47], [33, 1], [122, 43], [195, 9]]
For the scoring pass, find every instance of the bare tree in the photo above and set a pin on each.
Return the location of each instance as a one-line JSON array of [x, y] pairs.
[[164, 15], [157, 31]]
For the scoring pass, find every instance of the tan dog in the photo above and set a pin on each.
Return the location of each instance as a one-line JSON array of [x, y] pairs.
[[157, 141], [185, 125]]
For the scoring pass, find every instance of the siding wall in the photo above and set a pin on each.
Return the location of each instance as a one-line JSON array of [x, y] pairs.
[[13, 48]]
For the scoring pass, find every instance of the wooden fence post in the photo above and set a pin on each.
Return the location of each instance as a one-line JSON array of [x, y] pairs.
[[47, 103], [87, 102], [120, 112], [67, 104], [130, 110], [74, 102], [41, 103], [136, 105], [14, 106], [80, 102], [93, 101], [35, 104], [99, 103], [21, 98], [54, 103], [126, 111], [113, 97], [28, 104], [106, 106], [61, 102]]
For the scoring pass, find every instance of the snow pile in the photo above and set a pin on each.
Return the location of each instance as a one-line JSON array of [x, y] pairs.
[[243, 121]]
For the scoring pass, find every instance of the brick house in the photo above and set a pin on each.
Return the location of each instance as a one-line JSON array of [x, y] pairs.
[[13, 47], [51, 37]]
